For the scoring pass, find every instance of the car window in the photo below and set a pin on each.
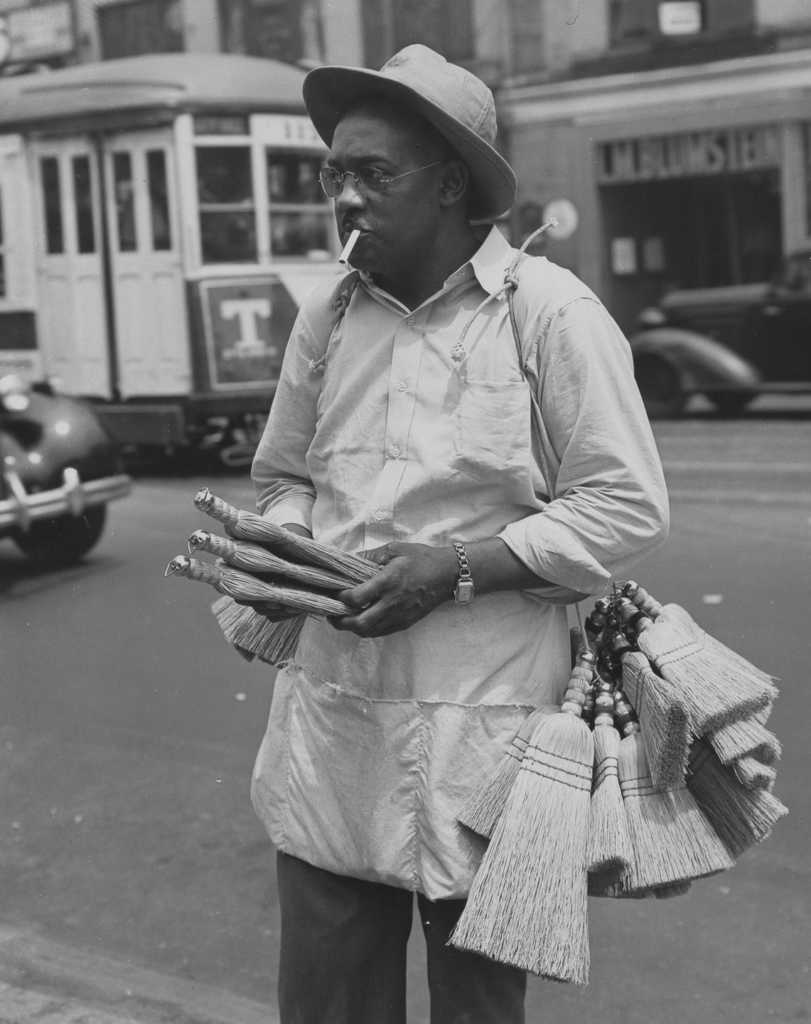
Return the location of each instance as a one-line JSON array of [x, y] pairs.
[[796, 275]]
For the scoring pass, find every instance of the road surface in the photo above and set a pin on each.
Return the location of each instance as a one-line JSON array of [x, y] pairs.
[[135, 881]]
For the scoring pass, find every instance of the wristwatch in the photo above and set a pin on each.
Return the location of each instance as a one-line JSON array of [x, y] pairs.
[[464, 590]]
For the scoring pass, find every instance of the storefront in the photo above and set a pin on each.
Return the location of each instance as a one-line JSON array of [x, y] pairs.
[[687, 177]]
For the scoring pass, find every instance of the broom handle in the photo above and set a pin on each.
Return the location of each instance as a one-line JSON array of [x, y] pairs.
[[578, 686], [644, 601], [250, 526]]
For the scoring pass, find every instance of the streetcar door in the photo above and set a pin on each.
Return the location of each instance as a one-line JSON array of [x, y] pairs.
[[147, 272], [71, 311]]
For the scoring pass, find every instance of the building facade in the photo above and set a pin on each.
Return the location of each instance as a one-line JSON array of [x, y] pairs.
[[674, 137], [670, 138]]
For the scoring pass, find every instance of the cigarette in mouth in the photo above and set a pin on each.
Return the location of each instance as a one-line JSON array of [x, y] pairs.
[[346, 252]]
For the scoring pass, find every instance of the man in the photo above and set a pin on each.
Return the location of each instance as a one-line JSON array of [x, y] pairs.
[[403, 427]]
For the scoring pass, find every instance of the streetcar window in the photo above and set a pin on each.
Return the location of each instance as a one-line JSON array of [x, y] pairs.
[[227, 211], [300, 213], [83, 199], [158, 200], [124, 193], [52, 205]]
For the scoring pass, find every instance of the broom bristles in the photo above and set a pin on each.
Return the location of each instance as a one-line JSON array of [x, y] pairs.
[[528, 902], [663, 719], [747, 737], [673, 842], [254, 635], [752, 774], [742, 817], [609, 847], [484, 807], [714, 690]]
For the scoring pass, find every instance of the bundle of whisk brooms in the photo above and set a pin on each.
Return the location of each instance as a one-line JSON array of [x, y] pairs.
[[656, 769], [259, 564]]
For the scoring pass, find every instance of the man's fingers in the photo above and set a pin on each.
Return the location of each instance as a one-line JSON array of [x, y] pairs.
[[363, 594]]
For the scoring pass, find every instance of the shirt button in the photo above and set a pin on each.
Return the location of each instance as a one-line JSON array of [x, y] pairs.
[[395, 451], [380, 513], [402, 386], [411, 321]]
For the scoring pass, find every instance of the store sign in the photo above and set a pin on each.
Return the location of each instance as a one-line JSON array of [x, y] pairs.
[[38, 33], [286, 130], [246, 324], [687, 155], [680, 17]]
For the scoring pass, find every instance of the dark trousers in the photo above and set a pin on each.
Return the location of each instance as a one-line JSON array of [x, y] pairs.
[[343, 956]]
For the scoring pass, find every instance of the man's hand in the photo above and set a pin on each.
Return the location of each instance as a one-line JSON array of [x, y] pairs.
[[415, 578]]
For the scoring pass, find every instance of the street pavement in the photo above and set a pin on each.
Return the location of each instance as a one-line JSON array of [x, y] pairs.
[[135, 882]]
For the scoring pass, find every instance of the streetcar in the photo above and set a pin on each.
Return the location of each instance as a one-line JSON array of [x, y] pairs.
[[161, 219]]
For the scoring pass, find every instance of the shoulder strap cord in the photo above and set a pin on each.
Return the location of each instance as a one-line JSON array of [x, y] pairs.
[[340, 303]]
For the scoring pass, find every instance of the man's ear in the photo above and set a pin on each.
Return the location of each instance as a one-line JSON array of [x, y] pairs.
[[454, 182]]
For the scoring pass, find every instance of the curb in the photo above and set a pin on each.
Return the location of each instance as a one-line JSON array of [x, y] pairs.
[[46, 982]]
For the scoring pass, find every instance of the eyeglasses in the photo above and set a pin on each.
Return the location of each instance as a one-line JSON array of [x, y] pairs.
[[369, 179]]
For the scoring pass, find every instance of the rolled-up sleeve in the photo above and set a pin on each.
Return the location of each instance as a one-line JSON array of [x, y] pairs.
[[284, 492], [609, 504]]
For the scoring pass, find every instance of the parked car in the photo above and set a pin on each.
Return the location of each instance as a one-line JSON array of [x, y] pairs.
[[730, 344], [58, 470]]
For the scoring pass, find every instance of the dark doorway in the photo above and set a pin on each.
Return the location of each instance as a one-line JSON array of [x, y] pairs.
[[689, 233]]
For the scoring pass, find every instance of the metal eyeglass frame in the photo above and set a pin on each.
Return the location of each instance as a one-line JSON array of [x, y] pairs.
[[338, 178]]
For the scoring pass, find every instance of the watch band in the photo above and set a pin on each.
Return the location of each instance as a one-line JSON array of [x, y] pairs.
[[464, 590]]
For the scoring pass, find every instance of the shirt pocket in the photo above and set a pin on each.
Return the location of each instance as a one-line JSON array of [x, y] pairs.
[[492, 429]]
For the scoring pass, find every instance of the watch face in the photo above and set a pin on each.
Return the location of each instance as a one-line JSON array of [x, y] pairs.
[[463, 594]]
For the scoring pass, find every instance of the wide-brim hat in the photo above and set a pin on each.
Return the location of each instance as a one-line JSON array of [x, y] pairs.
[[457, 103]]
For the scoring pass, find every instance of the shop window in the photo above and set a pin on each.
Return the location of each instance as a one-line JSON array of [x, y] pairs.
[[263, 28], [140, 26], [52, 205], [227, 208], [444, 25], [124, 192], [158, 200], [300, 214], [83, 201]]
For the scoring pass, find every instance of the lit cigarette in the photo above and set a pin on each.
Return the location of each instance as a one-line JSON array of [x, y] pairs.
[[346, 252]]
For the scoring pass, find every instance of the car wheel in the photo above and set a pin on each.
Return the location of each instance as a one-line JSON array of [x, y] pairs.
[[660, 385], [730, 403], [64, 539]]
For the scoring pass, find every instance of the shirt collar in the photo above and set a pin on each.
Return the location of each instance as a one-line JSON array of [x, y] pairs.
[[488, 263]]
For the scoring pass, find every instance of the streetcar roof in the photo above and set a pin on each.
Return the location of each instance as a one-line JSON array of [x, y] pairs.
[[169, 82]]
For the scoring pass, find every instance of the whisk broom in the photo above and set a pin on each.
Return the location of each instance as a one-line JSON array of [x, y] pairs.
[[610, 851], [243, 587], [250, 526], [741, 817], [672, 840], [485, 805], [716, 685], [746, 737], [528, 901]]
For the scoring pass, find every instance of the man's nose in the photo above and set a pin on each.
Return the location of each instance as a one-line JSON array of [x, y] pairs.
[[350, 195]]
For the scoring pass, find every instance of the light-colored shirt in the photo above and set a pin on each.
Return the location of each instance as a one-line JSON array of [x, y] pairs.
[[416, 425]]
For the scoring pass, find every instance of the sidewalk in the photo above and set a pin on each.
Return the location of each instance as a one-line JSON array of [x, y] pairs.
[[44, 982]]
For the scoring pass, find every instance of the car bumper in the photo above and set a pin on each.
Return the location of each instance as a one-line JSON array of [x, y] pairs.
[[21, 509]]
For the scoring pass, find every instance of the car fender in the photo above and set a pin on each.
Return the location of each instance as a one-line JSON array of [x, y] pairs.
[[53, 432], [703, 363]]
